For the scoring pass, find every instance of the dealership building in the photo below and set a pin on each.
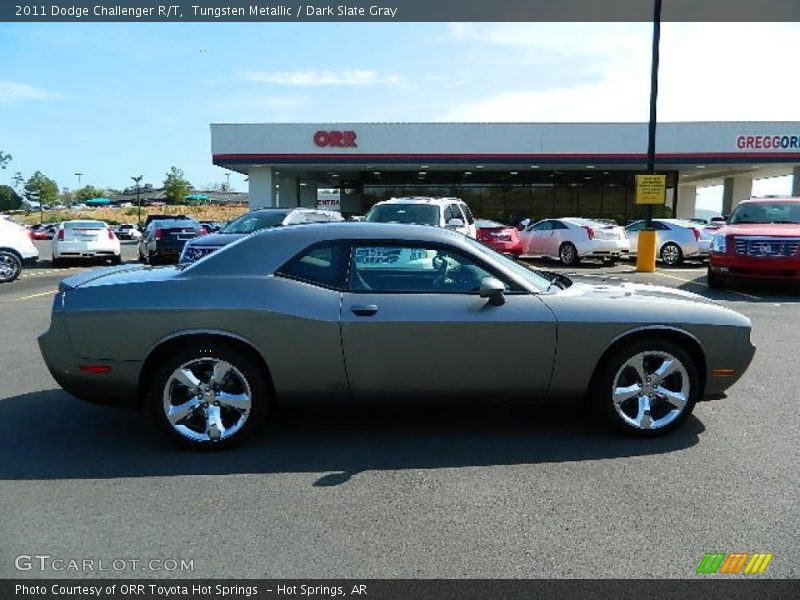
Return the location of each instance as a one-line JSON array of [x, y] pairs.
[[534, 170]]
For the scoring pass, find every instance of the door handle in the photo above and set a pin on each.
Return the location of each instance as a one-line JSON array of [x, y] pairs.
[[364, 310]]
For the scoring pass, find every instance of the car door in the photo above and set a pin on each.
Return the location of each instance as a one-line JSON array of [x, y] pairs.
[[559, 233], [413, 323], [534, 238]]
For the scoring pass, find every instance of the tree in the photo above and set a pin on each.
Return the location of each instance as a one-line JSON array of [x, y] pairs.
[[176, 186], [9, 199], [41, 185], [87, 192], [18, 180], [5, 158]]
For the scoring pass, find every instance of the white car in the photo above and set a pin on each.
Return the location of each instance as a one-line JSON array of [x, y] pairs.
[[16, 249], [676, 239], [571, 239], [85, 240], [451, 213], [128, 231]]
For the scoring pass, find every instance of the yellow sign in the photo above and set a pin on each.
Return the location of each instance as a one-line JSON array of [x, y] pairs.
[[651, 189]]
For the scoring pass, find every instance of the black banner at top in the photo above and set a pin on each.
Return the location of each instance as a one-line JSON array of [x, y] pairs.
[[394, 10]]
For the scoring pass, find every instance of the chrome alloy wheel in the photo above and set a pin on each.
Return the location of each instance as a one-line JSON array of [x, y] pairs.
[[651, 390], [207, 400], [568, 254], [671, 254], [10, 267]]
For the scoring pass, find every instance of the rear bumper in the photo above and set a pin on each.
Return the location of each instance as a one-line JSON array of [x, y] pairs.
[[743, 267], [30, 261], [86, 249], [604, 248], [115, 388]]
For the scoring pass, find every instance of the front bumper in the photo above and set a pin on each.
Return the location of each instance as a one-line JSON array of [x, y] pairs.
[[755, 268]]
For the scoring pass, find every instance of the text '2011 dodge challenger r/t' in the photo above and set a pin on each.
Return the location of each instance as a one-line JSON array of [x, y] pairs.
[[338, 309]]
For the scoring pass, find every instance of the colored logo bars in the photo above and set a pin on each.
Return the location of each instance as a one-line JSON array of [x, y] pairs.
[[734, 563]]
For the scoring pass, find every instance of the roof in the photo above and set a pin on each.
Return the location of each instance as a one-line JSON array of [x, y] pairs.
[[419, 200]]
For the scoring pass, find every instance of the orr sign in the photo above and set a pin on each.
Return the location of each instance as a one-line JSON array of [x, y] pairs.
[[335, 139]]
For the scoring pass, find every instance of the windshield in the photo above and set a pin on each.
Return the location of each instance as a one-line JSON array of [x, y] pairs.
[[540, 282], [256, 221], [767, 212], [419, 214]]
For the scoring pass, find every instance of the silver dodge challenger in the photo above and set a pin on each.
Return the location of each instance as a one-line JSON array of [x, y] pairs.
[[367, 312]]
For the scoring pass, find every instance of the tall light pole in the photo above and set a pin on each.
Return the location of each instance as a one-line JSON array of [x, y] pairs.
[[138, 179], [78, 175], [646, 246], [35, 195], [228, 185]]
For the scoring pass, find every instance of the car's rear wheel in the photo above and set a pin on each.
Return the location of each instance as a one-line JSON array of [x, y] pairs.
[[10, 266], [671, 254], [714, 281], [647, 388], [209, 398], [568, 254], [116, 260]]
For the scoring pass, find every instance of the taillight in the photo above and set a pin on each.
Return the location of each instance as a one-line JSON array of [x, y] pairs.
[[111, 235], [60, 235], [30, 235], [512, 233], [159, 231], [589, 231], [483, 235], [203, 230], [696, 233]]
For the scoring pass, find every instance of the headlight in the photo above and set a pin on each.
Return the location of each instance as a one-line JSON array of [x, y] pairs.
[[718, 243]]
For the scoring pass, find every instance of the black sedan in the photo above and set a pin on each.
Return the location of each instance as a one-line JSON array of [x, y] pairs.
[[163, 240]]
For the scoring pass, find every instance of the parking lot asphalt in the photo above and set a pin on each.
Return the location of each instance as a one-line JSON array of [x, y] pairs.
[[475, 491]]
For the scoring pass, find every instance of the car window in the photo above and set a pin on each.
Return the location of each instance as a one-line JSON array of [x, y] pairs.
[[543, 226], [84, 225], [322, 265], [558, 225], [465, 209], [405, 269], [421, 214], [256, 221], [318, 217], [636, 226], [453, 212]]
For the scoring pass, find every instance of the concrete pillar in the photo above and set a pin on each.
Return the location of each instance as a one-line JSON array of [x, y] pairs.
[[687, 201], [289, 195], [308, 195], [796, 182], [736, 189], [261, 187]]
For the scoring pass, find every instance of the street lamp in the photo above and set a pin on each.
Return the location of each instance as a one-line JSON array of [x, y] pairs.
[[78, 175], [138, 179], [35, 195]]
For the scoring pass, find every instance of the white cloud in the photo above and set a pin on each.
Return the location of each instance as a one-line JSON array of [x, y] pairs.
[[13, 91], [310, 77], [708, 71]]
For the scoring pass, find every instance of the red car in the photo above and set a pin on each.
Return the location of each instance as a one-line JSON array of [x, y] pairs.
[[503, 238], [760, 242]]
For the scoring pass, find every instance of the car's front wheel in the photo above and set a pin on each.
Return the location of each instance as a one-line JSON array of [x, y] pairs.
[[714, 281], [568, 254], [10, 266], [209, 397], [647, 388], [671, 254]]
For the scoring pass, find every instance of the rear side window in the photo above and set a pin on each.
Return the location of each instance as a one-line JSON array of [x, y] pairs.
[[321, 264], [84, 225], [468, 213]]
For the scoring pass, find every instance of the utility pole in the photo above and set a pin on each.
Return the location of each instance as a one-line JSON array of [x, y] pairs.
[[646, 243], [138, 179], [78, 175]]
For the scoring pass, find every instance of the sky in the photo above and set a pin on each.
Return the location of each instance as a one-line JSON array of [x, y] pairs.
[[116, 100]]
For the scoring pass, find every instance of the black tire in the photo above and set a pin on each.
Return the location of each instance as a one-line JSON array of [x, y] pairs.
[[714, 281], [202, 357], [671, 254], [117, 260], [568, 254], [10, 266], [611, 262], [612, 366]]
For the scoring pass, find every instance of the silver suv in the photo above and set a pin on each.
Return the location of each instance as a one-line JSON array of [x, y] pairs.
[[451, 213]]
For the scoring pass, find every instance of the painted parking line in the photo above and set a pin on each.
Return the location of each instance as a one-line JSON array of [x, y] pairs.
[[705, 285], [49, 272], [47, 293]]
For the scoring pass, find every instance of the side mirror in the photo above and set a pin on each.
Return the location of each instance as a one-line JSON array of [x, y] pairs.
[[455, 223], [493, 289]]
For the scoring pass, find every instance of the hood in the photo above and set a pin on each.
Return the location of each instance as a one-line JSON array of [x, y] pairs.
[[116, 275], [215, 240], [763, 229], [634, 291]]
